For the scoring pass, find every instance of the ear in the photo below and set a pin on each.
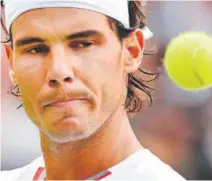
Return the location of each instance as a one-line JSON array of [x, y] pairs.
[[8, 50], [134, 45]]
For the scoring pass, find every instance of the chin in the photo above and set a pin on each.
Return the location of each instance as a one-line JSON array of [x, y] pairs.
[[70, 129], [68, 137]]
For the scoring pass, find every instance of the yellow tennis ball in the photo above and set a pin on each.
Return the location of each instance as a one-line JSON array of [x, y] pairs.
[[188, 60]]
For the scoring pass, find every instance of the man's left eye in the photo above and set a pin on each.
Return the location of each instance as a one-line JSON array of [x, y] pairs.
[[81, 44]]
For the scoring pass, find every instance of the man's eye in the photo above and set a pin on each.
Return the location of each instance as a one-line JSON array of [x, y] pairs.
[[38, 50], [85, 44]]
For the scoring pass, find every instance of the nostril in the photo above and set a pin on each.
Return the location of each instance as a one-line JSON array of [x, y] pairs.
[[53, 82], [68, 79]]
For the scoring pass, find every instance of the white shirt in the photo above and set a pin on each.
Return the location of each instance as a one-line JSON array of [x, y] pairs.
[[142, 165]]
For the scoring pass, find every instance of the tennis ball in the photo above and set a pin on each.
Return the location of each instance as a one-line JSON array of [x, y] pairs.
[[188, 60]]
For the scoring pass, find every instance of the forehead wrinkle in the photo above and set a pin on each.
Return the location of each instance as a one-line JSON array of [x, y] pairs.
[[43, 18], [46, 27], [49, 31]]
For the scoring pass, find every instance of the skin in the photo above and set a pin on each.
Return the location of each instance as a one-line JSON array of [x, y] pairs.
[[72, 77]]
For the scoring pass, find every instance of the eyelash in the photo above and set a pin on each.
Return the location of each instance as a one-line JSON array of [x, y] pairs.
[[42, 49], [85, 44]]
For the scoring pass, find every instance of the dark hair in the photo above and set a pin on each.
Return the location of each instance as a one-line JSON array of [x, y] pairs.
[[137, 20]]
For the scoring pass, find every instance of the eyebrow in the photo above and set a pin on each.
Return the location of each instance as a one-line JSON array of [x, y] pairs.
[[27, 41], [82, 34]]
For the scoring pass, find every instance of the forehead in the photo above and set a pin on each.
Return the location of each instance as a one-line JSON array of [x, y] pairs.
[[58, 20]]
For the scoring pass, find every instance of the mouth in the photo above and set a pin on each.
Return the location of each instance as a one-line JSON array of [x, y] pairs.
[[67, 103]]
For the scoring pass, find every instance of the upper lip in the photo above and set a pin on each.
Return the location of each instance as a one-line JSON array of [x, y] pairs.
[[55, 102], [60, 100]]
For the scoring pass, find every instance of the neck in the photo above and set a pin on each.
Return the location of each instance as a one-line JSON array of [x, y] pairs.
[[82, 159]]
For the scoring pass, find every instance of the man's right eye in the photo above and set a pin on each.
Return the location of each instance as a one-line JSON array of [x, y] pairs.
[[41, 49]]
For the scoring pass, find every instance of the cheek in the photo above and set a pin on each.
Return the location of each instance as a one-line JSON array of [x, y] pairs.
[[30, 74], [103, 74], [30, 78], [112, 89]]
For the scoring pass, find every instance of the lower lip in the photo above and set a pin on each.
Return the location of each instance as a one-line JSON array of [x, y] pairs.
[[67, 120], [68, 103]]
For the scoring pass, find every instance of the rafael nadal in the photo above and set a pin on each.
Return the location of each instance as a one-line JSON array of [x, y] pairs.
[[73, 62]]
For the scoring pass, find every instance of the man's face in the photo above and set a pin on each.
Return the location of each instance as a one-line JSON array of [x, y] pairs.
[[69, 66]]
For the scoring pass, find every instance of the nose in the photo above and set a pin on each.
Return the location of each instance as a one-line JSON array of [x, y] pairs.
[[54, 82], [60, 70]]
